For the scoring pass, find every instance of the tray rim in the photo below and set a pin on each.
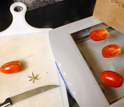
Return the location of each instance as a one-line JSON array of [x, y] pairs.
[[63, 34]]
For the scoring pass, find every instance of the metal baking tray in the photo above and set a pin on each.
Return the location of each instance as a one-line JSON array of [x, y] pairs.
[[80, 61]]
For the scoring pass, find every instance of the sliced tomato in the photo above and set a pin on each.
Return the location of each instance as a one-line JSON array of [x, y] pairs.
[[99, 34], [111, 50], [111, 78], [11, 67]]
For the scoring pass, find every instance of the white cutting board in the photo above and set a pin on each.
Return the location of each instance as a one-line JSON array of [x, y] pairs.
[[30, 46]]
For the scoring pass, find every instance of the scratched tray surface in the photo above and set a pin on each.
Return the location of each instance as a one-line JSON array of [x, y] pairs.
[[91, 51]]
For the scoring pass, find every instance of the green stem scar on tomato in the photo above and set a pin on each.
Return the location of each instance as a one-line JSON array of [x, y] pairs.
[[111, 50], [111, 78], [11, 67], [99, 34]]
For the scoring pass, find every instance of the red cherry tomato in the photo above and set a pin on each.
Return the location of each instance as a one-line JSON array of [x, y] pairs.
[[111, 78], [110, 51], [11, 67], [99, 34]]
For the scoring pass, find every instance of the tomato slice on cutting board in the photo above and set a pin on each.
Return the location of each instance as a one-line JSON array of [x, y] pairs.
[[11, 67]]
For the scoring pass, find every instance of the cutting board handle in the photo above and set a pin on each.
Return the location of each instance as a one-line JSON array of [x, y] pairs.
[[18, 15], [19, 24]]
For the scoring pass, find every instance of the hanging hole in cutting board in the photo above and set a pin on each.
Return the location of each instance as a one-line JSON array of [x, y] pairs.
[[18, 8]]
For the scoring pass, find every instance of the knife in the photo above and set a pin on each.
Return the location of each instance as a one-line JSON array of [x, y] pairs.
[[12, 100]]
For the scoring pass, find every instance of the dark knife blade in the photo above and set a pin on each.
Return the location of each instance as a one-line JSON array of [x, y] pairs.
[[12, 100]]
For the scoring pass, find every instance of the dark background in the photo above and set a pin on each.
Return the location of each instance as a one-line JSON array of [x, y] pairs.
[[50, 16]]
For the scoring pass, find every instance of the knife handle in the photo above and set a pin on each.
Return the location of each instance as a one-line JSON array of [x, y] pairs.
[[6, 103]]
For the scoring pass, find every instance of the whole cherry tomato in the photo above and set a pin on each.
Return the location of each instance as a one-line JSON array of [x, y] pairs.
[[111, 50], [11, 67], [99, 34], [111, 78]]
